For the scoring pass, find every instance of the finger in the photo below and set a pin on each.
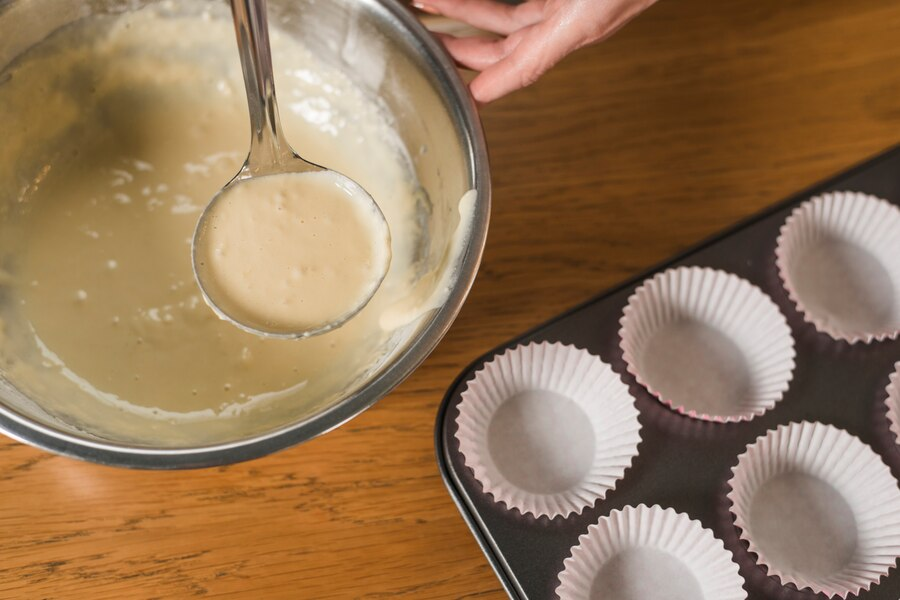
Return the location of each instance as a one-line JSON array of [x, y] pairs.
[[490, 15], [538, 50], [478, 53], [549, 41]]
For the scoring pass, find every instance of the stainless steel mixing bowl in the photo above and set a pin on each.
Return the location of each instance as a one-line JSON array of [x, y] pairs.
[[387, 51]]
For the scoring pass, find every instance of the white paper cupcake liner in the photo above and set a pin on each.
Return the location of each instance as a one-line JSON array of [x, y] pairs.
[[893, 402], [838, 255], [649, 553], [547, 429], [708, 344], [818, 507]]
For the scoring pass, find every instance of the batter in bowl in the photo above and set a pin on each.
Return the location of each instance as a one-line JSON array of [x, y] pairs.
[[141, 119]]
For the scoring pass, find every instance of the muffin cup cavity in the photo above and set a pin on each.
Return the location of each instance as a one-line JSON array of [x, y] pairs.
[[818, 508], [644, 553], [547, 429], [838, 255], [708, 344]]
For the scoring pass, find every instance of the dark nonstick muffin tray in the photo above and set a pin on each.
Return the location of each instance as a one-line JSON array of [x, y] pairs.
[[685, 463]]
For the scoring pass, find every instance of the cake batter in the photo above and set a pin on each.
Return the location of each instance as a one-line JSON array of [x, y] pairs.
[[141, 119]]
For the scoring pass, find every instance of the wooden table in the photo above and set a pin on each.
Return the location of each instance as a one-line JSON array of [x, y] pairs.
[[696, 115]]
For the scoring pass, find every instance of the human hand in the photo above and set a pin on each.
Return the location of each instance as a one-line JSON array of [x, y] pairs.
[[535, 35]]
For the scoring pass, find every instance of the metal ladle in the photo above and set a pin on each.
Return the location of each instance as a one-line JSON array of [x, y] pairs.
[[270, 154]]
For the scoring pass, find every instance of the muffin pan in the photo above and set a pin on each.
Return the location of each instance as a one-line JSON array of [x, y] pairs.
[[684, 462]]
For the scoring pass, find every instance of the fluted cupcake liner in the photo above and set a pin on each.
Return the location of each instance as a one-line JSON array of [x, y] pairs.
[[708, 344], [838, 255], [818, 508], [893, 401], [643, 552], [547, 428]]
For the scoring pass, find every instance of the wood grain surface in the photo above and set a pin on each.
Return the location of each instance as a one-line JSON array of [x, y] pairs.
[[696, 115]]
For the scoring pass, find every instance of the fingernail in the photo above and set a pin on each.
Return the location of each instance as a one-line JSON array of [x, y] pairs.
[[426, 8]]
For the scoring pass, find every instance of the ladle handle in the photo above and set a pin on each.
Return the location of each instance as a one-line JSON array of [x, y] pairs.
[[268, 148]]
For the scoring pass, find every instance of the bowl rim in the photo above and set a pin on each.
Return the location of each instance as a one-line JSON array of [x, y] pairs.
[[465, 115]]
